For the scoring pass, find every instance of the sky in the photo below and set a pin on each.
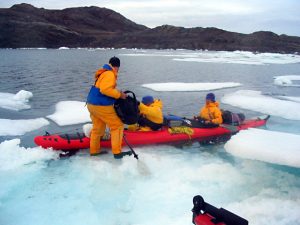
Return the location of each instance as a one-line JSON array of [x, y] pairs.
[[244, 16]]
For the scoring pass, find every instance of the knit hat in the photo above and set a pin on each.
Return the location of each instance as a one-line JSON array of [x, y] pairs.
[[211, 97], [114, 61], [147, 100]]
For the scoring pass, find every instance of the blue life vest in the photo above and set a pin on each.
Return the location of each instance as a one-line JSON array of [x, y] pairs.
[[95, 97]]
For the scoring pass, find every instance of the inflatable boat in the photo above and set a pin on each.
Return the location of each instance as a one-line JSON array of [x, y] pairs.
[[206, 214], [75, 141]]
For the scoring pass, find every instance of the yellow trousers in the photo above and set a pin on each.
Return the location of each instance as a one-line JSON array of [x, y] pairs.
[[102, 116]]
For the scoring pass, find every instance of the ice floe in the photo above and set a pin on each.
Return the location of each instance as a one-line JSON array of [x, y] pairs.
[[63, 48], [177, 86], [17, 101], [235, 57], [70, 112], [19, 127], [287, 80], [290, 98], [268, 146], [13, 156], [256, 101]]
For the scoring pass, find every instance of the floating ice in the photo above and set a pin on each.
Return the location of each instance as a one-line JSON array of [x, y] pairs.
[[22, 96], [237, 57], [256, 101], [33, 48], [63, 48], [70, 112], [268, 146], [287, 80], [19, 127], [290, 98], [13, 156], [221, 60], [87, 128], [15, 101], [174, 86]]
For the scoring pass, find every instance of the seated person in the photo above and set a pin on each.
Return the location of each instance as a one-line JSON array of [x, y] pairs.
[[151, 115], [210, 113]]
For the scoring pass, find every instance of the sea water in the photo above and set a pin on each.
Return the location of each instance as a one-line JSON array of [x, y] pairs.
[[36, 187]]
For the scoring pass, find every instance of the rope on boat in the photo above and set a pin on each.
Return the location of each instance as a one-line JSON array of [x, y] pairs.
[[181, 130]]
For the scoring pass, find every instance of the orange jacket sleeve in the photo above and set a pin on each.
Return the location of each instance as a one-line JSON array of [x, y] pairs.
[[107, 83]]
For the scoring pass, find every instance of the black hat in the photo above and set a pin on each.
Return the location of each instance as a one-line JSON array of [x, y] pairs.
[[114, 61]]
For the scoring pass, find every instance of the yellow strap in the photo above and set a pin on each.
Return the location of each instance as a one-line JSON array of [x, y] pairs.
[[181, 130]]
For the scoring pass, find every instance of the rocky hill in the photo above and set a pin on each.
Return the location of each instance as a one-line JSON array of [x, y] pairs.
[[24, 25]]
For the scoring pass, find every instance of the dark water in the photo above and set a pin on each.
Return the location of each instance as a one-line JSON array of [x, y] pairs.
[[58, 75]]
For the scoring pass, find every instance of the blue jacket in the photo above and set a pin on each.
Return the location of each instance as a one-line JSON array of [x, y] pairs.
[[95, 97]]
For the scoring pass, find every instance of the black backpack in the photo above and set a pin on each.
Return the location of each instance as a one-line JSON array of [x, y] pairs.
[[232, 118], [127, 109]]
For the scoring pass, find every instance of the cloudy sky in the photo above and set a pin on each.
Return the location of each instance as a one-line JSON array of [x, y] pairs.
[[244, 16]]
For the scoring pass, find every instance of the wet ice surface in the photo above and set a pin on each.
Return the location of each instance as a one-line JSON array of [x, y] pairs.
[[258, 181]]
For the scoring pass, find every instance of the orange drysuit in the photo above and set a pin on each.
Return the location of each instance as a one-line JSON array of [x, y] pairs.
[[152, 112], [103, 113], [211, 112]]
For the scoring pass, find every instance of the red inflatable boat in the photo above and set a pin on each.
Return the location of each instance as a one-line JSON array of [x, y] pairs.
[[134, 138]]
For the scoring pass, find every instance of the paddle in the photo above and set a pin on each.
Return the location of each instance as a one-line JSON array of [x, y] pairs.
[[65, 154], [129, 146]]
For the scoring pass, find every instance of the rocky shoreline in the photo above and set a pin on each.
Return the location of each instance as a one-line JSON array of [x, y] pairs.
[[25, 26]]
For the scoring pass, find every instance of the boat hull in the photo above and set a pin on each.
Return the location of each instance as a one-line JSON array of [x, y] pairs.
[[137, 138]]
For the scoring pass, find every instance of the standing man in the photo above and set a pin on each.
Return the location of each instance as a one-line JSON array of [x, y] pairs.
[[100, 103]]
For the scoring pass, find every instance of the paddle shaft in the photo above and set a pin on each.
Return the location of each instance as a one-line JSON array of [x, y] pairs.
[[133, 152]]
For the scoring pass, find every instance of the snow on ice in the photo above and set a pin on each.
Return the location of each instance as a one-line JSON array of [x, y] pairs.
[[13, 156]]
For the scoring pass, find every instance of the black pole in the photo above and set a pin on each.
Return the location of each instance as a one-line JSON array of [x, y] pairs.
[[133, 152]]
